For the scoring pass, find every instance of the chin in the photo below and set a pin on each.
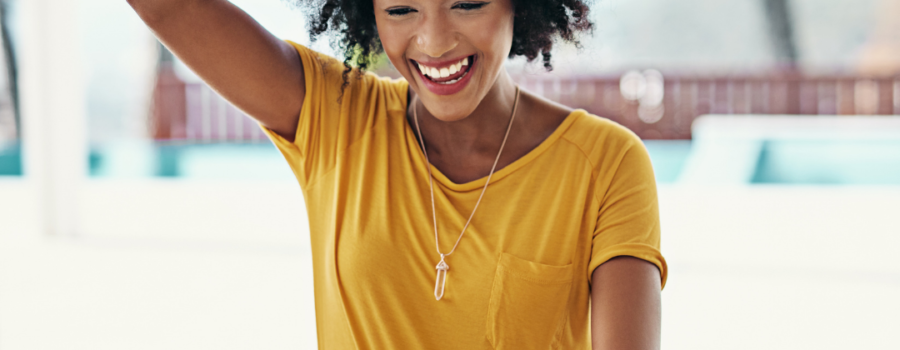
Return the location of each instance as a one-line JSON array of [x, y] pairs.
[[448, 114], [451, 118]]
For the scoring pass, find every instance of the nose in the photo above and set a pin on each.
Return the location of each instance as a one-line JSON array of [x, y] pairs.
[[436, 36]]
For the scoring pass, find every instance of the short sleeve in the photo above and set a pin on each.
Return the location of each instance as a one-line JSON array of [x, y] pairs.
[[628, 219], [333, 116]]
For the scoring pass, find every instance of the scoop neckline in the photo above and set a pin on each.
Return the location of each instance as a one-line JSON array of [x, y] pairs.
[[498, 174]]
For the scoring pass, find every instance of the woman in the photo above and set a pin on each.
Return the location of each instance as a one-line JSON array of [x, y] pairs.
[[449, 209]]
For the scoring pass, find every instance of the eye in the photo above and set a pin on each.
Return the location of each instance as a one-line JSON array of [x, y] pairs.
[[468, 6], [399, 11]]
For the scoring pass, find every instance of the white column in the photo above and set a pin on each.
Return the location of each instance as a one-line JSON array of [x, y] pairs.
[[53, 110]]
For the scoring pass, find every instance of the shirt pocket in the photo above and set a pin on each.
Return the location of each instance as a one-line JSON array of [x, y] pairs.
[[528, 304]]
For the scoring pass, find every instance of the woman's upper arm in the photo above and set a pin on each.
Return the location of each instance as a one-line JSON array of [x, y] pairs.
[[625, 305], [241, 60]]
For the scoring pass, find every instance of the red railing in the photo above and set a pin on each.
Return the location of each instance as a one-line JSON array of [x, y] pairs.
[[195, 113], [686, 98], [653, 106]]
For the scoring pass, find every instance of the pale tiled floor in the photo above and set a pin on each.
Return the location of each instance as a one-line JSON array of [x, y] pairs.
[[175, 265]]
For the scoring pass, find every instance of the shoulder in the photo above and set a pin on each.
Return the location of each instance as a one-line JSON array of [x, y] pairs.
[[619, 159], [601, 139], [328, 77], [616, 154], [582, 128], [604, 142], [316, 62]]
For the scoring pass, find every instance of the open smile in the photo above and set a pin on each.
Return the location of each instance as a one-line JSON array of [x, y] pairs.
[[445, 78]]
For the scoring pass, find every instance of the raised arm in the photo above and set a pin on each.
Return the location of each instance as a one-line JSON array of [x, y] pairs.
[[625, 305], [254, 70]]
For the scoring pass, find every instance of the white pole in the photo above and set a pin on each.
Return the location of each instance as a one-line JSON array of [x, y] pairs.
[[53, 110]]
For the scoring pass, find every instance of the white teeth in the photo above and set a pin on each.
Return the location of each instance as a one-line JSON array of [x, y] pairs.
[[438, 73], [452, 81], [449, 82]]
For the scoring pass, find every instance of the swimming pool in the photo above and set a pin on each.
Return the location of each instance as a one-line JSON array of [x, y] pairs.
[[10, 159], [769, 161], [786, 161], [871, 162]]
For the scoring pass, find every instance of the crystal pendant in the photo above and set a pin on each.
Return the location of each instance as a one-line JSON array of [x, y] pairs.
[[441, 279]]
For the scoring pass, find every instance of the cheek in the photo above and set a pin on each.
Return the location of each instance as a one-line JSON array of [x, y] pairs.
[[394, 44], [495, 36]]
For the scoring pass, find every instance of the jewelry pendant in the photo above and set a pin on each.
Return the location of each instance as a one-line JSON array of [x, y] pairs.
[[441, 279]]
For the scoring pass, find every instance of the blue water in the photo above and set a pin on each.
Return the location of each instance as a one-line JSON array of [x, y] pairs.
[[871, 162], [263, 161], [668, 158], [250, 161], [828, 162], [10, 159]]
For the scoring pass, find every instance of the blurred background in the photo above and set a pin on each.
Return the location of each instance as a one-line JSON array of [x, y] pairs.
[[139, 210]]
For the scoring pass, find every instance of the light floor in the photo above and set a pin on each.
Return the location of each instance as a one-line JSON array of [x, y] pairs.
[[191, 265]]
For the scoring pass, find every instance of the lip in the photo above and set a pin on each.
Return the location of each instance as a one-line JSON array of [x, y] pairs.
[[442, 64], [446, 89]]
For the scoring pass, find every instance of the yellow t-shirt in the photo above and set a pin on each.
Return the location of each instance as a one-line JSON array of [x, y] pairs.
[[520, 278]]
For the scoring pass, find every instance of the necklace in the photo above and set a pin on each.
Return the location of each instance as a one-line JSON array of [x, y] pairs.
[[442, 267]]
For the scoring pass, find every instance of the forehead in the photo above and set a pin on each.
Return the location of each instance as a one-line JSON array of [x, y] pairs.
[[382, 3], [436, 2]]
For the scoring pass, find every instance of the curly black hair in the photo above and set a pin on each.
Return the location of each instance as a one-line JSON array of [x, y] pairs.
[[537, 24]]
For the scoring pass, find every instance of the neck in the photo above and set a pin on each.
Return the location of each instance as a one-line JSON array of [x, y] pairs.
[[477, 135]]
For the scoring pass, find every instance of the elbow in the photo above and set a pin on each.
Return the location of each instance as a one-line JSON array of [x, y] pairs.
[[145, 9], [139, 6], [155, 11]]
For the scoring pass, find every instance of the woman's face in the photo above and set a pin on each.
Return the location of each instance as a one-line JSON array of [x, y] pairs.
[[450, 51]]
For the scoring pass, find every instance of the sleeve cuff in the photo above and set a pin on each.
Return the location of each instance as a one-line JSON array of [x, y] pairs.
[[640, 251]]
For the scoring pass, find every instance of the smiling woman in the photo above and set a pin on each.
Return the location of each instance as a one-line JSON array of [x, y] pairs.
[[544, 219], [538, 24]]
